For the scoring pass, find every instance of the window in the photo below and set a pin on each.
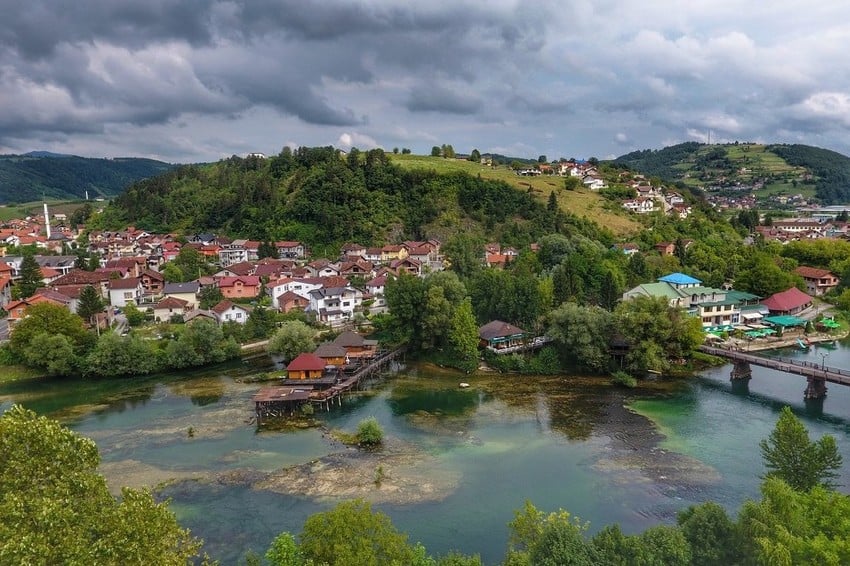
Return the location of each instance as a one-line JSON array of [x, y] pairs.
[[128, 295], [238, 315]]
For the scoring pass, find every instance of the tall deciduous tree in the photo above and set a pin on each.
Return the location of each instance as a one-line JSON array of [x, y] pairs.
[[351, 533], [463, 337], [791, 456], [582, 335], [56, 509], [50, 320], [292, 338]]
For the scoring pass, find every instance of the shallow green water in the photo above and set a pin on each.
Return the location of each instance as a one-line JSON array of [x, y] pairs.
[[560, 442]]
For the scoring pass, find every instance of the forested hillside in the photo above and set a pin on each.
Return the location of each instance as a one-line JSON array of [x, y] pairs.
[[762, 167], [320, 197], [25, 178], [831, 169]]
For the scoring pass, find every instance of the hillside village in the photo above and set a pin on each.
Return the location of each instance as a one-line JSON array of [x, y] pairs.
[[341, 291]]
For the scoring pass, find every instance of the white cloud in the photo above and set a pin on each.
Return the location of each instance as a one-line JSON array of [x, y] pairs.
[[348, 140]]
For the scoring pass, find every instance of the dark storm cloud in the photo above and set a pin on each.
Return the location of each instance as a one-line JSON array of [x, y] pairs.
[[433, 98]]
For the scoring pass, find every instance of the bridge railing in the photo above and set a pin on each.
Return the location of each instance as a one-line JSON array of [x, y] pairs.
[[742, 355]]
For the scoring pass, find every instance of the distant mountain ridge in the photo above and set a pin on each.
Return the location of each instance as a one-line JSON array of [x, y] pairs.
[[796, 165], [43, 174]]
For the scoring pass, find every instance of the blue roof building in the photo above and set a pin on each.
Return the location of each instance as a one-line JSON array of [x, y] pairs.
[[680, 280]]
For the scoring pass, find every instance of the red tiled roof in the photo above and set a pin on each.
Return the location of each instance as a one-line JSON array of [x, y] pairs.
[[812, 272], [786, 300], [171, 303], [306, 362]]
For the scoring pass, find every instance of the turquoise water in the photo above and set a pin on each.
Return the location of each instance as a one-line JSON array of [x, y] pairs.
[[559, 442]]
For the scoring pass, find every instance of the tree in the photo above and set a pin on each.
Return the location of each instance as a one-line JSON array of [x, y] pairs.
[[172, 273], [202, 342], [552, 205], [791, 456], [563, 544], [463, 337], [572, 183], [582, 335], [115, 355], [291, 339], [712, 535], [789, 526], [542, 159], [266, 249], [436, 151], [261, 322], [464, 253], [284, 551], [209, 296], [369, 432], [475, 156], [134, 315], [30, 277], [89, 304], [56, 509], [656, 333], [94, 262], [52, 320], [351, 533]]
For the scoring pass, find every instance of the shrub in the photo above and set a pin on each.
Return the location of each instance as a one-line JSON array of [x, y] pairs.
[[369, 432], [624, 379]]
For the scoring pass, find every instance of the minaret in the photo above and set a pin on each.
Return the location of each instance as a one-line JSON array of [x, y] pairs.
[[47, 221]]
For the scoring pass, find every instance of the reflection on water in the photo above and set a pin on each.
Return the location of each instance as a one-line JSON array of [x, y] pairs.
[[458, 461]]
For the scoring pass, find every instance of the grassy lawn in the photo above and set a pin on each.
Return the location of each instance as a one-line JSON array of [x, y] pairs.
[[581, 202], [16, 372], [8, 212]]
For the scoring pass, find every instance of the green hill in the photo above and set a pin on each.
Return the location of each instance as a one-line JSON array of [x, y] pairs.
[[809, 170], [40, 175], [320, 197]]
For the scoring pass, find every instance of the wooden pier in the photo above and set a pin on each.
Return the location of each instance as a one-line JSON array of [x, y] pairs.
[[817, 375], [283, 400]]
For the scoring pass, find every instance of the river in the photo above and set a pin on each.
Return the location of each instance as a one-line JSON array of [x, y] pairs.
[[457, 461]]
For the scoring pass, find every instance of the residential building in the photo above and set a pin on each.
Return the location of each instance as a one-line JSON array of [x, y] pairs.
[[499, 335], [335, 305], [306, 366], [227, 311], [169, 307], [187, 292], [244, 287], [790, 301], [123, 292], [818, 281]]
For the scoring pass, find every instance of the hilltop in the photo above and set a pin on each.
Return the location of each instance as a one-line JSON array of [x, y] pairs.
[[39, 175], [325, 198], [765, 170]]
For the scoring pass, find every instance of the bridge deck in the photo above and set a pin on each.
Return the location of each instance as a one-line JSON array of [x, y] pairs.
[[798, 367]]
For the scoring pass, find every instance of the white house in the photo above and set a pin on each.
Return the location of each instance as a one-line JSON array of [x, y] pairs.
[[227, 311], [123, 292], [335, 305], [300, 286], [640, 205]]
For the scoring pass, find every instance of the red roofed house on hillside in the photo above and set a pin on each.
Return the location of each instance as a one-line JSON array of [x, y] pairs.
[[243, 287], [306, 366], [818, 281], [790, 302]]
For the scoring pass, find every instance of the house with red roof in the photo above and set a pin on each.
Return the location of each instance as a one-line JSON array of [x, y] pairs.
[[5, 289], [791, 301], [242, 287], [123, 292], [170, 306], [306, 366], [818, 281], [226, 311]]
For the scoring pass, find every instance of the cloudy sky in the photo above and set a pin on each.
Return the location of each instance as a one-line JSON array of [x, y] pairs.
[[197, 80]]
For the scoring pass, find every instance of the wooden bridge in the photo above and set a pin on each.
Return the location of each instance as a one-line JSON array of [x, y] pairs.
[[279, 401], [816, 374]]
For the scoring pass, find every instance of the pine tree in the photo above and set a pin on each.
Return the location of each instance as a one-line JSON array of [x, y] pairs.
[[31, 278], [90, 303]]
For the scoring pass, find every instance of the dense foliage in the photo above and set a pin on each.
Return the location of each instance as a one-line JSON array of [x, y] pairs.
[[56, 509], [26, 178], [320, 197], [831, 169], [659, 162]]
